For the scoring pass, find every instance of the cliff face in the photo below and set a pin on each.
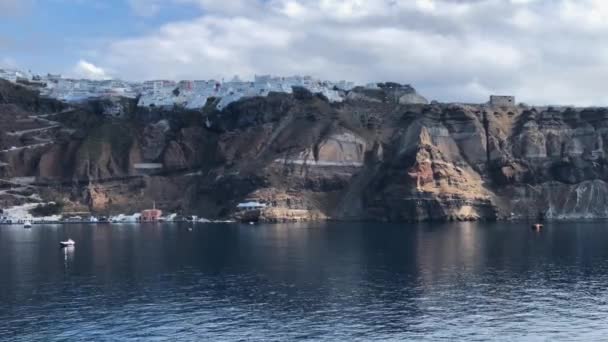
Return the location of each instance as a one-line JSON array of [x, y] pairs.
[[553, 162], [382, 154]]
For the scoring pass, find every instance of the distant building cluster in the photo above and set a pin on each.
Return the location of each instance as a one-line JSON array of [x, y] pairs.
[[71, 90], [163, 93], [14, 75], [194, 94]]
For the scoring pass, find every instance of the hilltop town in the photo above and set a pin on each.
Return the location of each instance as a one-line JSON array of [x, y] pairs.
[[162, 93]]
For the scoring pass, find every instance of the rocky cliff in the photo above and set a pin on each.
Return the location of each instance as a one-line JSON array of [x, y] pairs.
[[382, 154]]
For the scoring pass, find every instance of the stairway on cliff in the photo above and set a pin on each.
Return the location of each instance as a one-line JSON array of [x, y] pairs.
[[16, 192]]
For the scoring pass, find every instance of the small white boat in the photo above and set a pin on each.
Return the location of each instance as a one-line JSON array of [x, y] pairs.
[[27, 224], [67, 243]]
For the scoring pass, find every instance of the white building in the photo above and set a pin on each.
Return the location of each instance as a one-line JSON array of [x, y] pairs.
[[13, 74], [192, 94], [252, 205]]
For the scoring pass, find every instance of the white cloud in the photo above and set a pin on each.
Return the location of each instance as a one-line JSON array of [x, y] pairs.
[[227, 7], [145, 8], [539, 50], [84, 69]]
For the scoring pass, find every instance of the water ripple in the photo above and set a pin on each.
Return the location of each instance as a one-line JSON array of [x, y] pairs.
[[278, 283]]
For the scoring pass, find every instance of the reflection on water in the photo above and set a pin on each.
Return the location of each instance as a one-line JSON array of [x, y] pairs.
[[68, 256], [309, 281]]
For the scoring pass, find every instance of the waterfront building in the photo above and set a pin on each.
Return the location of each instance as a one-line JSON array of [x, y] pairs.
[[251, 205], [151, 215]]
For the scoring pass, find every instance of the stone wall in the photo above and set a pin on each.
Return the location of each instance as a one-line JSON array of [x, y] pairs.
[[502, 101]]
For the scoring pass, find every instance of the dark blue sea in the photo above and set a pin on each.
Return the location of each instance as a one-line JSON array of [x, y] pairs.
[[305, 282]]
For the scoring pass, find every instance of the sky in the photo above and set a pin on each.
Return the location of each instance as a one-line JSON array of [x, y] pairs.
[[541, 51]]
